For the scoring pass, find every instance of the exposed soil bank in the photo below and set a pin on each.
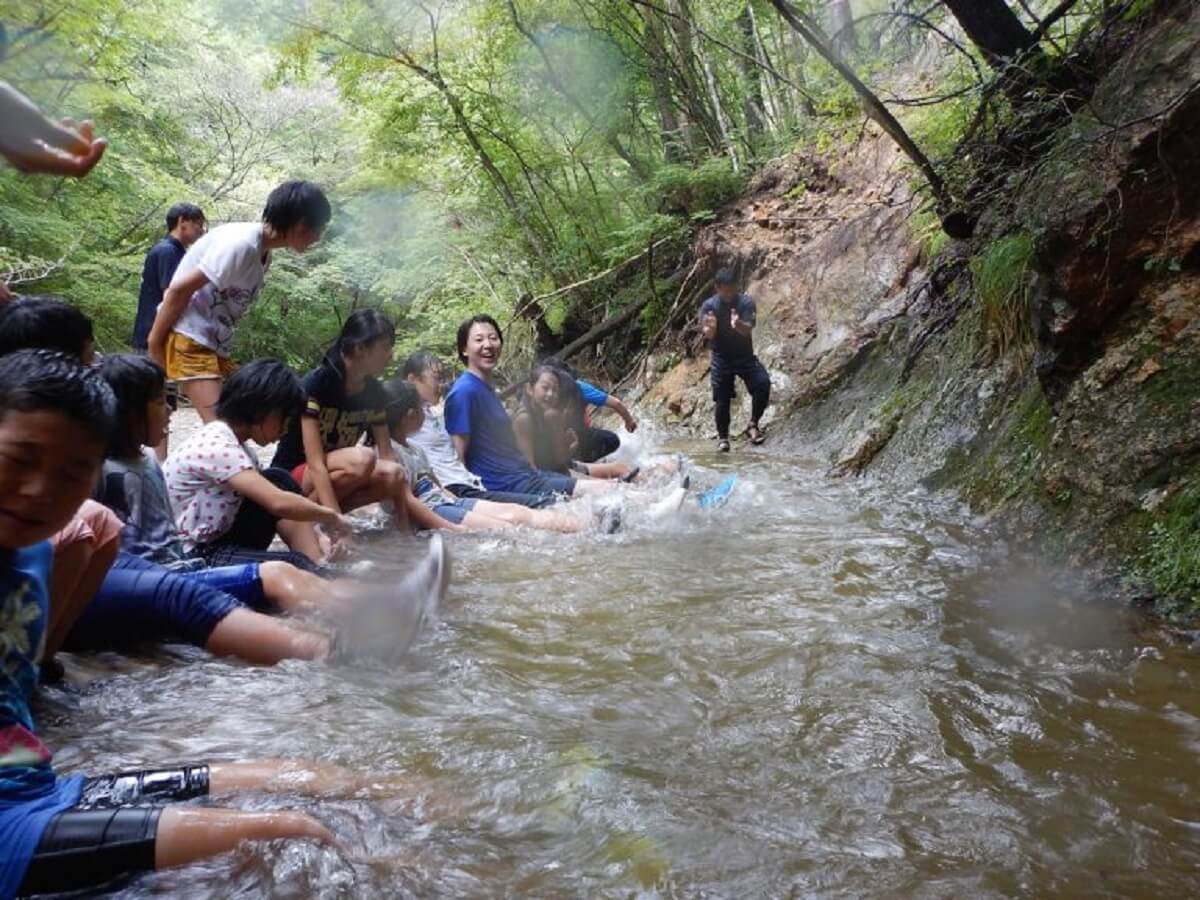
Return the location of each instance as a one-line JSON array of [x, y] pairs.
[[1063, 395]]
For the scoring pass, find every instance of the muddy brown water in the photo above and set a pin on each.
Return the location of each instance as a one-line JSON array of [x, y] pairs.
[[826, 689]]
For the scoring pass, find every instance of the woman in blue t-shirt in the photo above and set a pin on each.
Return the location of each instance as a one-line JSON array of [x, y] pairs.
[[481, 428]]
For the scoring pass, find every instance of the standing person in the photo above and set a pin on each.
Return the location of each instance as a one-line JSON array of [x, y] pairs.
[[218, 280], [185, 225], [727, 320]]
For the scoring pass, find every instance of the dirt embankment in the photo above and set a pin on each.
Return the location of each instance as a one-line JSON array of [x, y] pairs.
[[1086, 435]]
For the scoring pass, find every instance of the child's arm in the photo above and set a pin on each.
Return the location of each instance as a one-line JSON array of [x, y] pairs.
[[523, 431], [284, 504], [383, 442], [615, 404], [174, 302], [314, 456]]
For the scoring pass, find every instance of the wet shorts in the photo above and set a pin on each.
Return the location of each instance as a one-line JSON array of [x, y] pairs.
[[540, 481], [112, 830], [533, 501], [241, 581], [189, 360], [455, 512], [140, 601]]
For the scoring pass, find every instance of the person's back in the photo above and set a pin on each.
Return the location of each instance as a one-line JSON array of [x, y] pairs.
[[136, 490], [233, 259], [435, 441], [197, 476], [472, 408]]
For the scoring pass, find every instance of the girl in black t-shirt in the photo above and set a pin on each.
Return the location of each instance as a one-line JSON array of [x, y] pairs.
[[345, 401]]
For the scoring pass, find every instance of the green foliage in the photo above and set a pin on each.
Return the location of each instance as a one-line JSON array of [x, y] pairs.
[[1172, 560], [1003, 279]]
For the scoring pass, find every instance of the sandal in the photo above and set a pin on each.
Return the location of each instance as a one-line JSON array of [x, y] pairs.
[[757, 435], [723, 445]]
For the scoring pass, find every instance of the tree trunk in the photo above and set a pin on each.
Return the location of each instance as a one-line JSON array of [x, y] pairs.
[[993, 28], [952, 222], [675, 145], [841, 27], [753, 107]]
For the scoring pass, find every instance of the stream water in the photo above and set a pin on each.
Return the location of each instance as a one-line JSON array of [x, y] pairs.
[[826, 688]]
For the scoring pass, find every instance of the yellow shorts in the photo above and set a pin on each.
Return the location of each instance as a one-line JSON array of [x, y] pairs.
[[189, 360]]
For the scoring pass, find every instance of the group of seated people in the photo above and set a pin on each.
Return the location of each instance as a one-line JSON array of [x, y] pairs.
[[103, 547]]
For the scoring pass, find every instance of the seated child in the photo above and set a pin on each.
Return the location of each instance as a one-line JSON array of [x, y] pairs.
[[423, 370], [71, 833], [46, 322], [227, 509], [132, 601], [344, 402], [546, 428], [404, 419]]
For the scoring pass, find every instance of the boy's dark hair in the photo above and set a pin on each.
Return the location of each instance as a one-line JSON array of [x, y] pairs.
[[294, 203], [188, 212], [135, 381], [257, 390], [420, 362], [46, 380], [402, 399], [362, 328], [45, 322], [464, 332], [725, 276]]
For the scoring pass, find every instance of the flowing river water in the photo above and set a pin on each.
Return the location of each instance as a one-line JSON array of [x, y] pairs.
[[827, 688]]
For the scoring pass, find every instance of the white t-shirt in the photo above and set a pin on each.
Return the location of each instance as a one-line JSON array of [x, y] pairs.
[[197, 479], [435, 440], [234, 262]]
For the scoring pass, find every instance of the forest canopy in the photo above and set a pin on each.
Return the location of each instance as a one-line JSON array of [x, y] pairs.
[[479, 153]]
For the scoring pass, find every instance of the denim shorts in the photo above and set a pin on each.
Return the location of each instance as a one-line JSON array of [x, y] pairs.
[[455, 512], [541, 481], [242, 581]]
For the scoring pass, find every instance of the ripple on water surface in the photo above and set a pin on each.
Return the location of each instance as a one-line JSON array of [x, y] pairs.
[[825, 688]]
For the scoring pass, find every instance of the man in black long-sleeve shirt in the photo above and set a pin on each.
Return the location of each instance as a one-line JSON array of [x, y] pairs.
[[185, 225]]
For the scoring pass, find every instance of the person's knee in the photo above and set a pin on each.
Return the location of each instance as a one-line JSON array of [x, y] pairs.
[[360, 465], [275, 575]]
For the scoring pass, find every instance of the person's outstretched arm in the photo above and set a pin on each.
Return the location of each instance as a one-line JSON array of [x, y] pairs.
[[36, 144], [318, 469], [615, 404], [174, 302], [285, 504]]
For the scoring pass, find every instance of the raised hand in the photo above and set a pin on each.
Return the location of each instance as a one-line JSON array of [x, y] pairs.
[[34, 143]]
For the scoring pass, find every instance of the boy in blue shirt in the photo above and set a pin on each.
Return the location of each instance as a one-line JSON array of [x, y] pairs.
[[727, 320]]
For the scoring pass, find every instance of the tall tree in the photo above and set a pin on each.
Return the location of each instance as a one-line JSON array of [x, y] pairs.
[[841, 27]]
